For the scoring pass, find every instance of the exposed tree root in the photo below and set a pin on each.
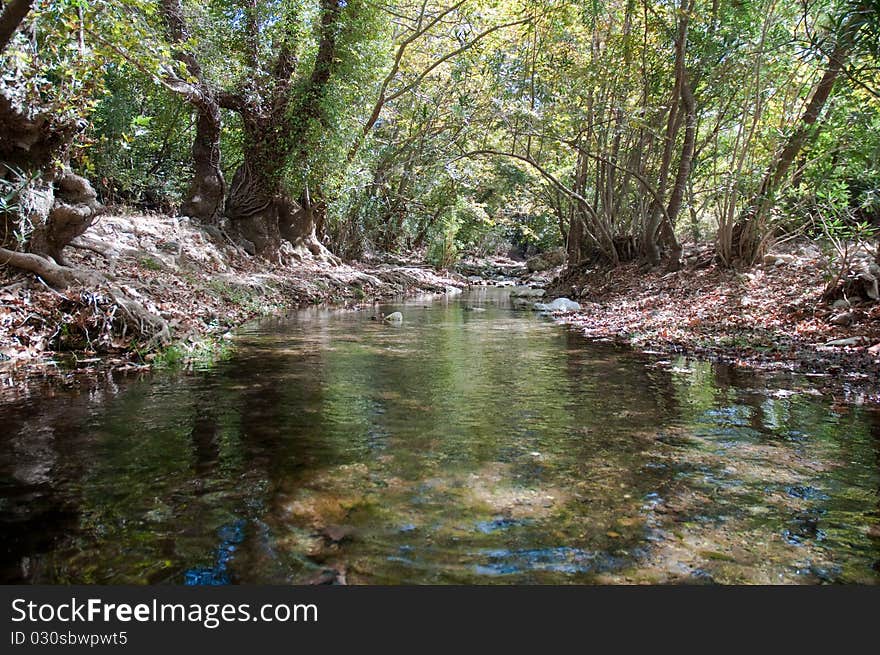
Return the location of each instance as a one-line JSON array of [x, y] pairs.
[[310, 249], [134, 318]]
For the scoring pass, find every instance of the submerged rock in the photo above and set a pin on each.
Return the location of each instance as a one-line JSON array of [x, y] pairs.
[[393, 317], [337, 533], [328, 577], [558, 305]]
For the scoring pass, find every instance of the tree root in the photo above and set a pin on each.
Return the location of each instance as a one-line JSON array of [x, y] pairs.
[[309, 248], [149, 328]]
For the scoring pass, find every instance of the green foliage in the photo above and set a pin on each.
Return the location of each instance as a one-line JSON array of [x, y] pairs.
[[545, 82], [245, 297], [56, 63], [443, 250], [151, 264], [11, 205], [137, 149], [200, 355]]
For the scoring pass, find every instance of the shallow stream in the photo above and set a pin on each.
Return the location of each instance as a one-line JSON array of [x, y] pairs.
[[472, 443]]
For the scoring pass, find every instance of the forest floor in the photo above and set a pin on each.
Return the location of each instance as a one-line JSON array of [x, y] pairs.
[[197, 280], [772, 317]]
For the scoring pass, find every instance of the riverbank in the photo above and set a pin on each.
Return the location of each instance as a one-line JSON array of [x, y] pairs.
[[195, 278], [772, 317]]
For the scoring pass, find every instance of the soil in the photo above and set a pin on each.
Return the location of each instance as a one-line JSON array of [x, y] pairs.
[[196, 278]]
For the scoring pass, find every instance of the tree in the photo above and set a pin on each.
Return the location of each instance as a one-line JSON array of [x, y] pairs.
[[42, 109], [751, 229], [206, 194]]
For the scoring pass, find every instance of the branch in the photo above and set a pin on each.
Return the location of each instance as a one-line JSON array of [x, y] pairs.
[[165, 78], [467, 46], [420, 31], [232, 101], [13, 14], [544, 173]]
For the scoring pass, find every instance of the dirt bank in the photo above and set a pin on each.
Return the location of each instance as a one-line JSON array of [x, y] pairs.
[[771, 317], [195, 278]]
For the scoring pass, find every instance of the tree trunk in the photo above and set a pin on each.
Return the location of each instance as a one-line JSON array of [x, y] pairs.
[[259, 208], [656, 219], [575, 241], [207, 191], [749, 232], [204, 198], [298, 223], [74, 208], [51, 207], [253, 205], [11, 17], [685, 163]]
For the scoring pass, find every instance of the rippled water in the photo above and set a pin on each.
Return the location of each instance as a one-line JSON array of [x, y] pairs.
[[459, 447]]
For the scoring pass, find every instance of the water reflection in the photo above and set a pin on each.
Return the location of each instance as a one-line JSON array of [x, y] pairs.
[[460, 446]]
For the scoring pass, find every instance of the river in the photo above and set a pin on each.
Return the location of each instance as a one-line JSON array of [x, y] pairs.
[[472, 443]]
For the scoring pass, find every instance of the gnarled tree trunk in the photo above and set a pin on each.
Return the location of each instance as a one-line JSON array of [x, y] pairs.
[[207, 190], [275, 130], [51, 207], [74, 208], [254, 200], [205, 196]]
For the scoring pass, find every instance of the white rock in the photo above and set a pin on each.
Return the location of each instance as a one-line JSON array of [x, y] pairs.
[[850, 341], [844, 318], [394, 317], [558, 305], [778, 259]]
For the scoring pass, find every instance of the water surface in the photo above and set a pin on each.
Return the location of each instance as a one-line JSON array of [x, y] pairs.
[[458, 447]]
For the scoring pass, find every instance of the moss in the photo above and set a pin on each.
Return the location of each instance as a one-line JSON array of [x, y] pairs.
[[242, 296], [151, 264], [200, 355]]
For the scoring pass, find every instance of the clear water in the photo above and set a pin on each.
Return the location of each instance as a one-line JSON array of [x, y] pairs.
[[458, 447]]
